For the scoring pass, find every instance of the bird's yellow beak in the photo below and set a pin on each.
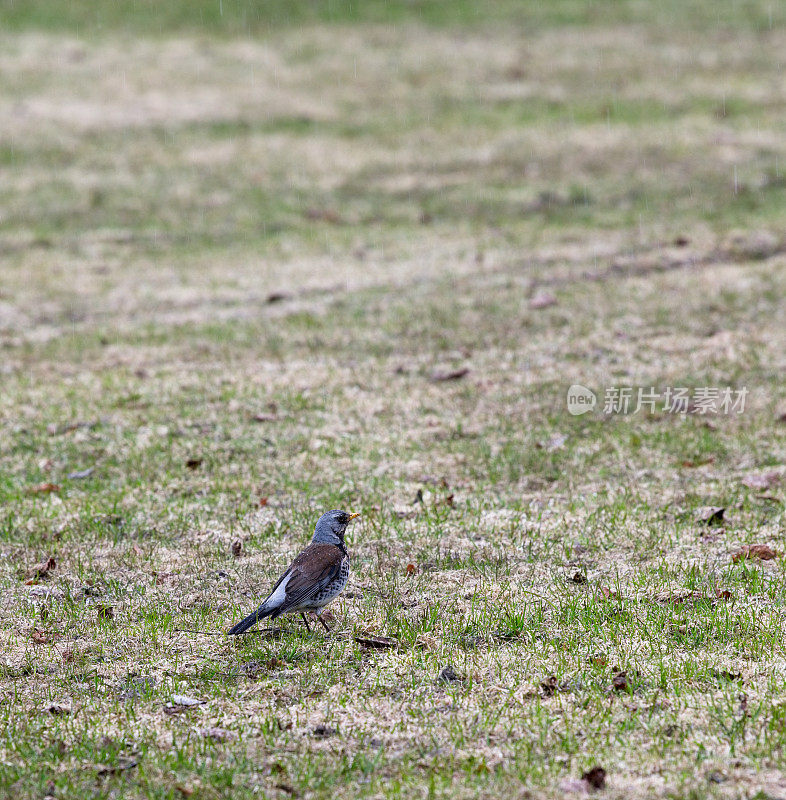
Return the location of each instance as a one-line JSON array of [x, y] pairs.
[[352, 516]]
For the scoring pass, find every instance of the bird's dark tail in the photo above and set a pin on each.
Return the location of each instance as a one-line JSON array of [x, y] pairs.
[[250, 620]]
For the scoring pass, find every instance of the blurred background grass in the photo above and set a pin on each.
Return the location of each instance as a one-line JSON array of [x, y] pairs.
[[234, 17]]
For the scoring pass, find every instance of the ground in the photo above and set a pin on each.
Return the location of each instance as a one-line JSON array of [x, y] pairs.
[[260, 262]]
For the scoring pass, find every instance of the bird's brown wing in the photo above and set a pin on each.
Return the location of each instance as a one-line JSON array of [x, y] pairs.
[[314, 569]]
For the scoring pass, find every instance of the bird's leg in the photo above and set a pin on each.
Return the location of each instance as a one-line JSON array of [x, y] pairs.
[[324, 624], [305, 622]]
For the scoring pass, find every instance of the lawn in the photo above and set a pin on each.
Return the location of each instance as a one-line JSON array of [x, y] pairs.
[[261, 260]]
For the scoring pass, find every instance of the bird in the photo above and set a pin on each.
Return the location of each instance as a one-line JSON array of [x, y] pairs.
[[316, 576]]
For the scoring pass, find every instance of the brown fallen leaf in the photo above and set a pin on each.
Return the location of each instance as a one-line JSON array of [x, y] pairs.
[[237, 548], [186, 791], [105, 612], [699, 462], [122, 765], [411, 569], [276, 297], [550, 686], [761, 551], [606, 593], [264, 418], [42, 488], [621, 683], [595, 777], [42, 569], [578, 578], [324, 215], [449, 375], [678, 598], [598, 660], [450, 500], [262, 502], [375, 642], [194, 463], [39, 637], [711, 515], [726, 675], [58, 709], [542, 300], [762, 482]]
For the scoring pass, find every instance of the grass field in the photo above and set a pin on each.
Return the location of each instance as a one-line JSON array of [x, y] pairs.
[[260, 260]]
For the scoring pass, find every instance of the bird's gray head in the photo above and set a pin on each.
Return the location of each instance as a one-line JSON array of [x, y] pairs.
[[331, 526]]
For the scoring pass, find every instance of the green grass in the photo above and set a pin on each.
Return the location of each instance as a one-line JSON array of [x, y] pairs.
[[232, 17], [239, 242]]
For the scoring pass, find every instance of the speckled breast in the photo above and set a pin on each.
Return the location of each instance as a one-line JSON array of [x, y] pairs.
[[335, 586]]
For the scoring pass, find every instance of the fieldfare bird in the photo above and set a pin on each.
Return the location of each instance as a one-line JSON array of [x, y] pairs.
[[313, 579]]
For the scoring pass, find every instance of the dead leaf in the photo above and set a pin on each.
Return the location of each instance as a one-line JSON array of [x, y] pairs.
[[411, 569], [699, 462], [681, 241], [39, 637], [42, 488], [122, 765], [678, 598], [448, 675], [761, 482], [449, 375], [450, 500], [262, 502], [324, 215], [551, 686], [595, 777], [105, 612], [237, 548], [186, 791], [264, 418], [711, 515], [606, 593], [761, 551], [726, 675], [194, 463], [599, 660], [58, 709], [42, 569], [542, 300], [578, 578], [621, 683], [376, 642]]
